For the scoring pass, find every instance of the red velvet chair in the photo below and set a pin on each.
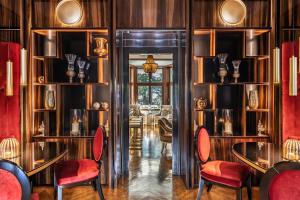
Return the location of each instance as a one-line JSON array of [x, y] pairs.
[[281, 182], [76, 172], [14, 183], [228, 174]]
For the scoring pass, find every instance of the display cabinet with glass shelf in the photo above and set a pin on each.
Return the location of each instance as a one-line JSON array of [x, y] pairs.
[[89, 85], [244, 91]]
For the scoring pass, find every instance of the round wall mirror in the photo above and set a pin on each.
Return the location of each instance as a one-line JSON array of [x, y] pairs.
[[233, 12], [69, 12]]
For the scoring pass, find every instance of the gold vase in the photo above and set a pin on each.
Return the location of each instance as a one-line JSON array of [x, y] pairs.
[[253, 99], [50, 97], [101, 47]]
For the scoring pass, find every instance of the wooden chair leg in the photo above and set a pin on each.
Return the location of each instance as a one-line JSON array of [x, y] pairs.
[[239, 194], [201, 186], [99, 187], [249, 188], [59, 193]]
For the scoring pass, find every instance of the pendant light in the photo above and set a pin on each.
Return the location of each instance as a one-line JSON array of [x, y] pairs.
[[293, 61], [150, 66], [9, 71]]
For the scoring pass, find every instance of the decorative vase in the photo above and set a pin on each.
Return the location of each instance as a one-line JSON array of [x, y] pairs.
[[96, 105], [236, 73], [71, 60], [76, 122], [222, 66], [81, 74], [201, 103], [253, 99], [227, 123], [291, 148], [101, 47], [49, 97], [104, 105]]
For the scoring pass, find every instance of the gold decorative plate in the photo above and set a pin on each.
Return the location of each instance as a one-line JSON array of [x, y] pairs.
[[233, 12], [69, 12]]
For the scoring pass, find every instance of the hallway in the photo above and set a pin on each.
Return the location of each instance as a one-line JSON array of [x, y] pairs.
[[150, 172]]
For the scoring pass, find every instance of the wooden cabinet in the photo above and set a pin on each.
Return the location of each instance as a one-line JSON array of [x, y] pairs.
[[251, 47], [48, 72]]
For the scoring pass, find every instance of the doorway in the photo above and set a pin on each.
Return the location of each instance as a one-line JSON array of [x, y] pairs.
[[150, 92], [150, 123]]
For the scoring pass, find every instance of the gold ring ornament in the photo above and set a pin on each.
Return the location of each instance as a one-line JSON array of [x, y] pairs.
[[69, 12], [233, 12]]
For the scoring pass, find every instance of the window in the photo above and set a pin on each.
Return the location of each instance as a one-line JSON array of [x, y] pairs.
[[143, 95], [156, 95], [149, 87], [157, 77]]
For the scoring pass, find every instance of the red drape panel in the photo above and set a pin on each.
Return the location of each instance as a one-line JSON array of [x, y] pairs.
[[10, 106], [290, 104]]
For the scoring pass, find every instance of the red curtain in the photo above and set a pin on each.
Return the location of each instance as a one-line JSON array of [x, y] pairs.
[[10, 106], [290, 104]]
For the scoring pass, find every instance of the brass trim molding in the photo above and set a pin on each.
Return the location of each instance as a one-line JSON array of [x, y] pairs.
[[248, 162], [47, 164]]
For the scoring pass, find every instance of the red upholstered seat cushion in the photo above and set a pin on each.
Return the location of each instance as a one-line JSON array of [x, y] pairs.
[[10, 187], [285, 186], [203, 144], [74, 171], [227, 173], [98, 144], [34, 196]]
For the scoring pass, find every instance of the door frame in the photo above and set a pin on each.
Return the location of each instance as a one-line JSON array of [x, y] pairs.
[[124, 75]]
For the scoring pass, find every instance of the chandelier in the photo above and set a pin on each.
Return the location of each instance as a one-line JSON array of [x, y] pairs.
[[150, 66]]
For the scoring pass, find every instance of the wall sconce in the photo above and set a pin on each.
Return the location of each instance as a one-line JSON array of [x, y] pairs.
[[69, 12], [23, 70], [9, 79], [293, 76], [233, 12], [276, 64]]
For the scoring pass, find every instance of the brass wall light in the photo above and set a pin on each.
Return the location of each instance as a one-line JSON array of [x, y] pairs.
[[293, 76], [69, 12], [23, 70], [150, 66], [9, 78], [233, 12], [293, 86], [276, 65]]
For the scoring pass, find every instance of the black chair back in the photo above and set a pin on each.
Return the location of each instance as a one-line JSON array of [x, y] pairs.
[[20, 175]]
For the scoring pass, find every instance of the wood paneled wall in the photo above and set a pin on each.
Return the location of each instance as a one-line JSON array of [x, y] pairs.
[[96, 14], [290, 12], [151, 14], [206, 14], [10, 13]]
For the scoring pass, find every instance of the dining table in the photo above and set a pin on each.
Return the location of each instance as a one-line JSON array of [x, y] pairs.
[[258, 155], [37, 156]]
